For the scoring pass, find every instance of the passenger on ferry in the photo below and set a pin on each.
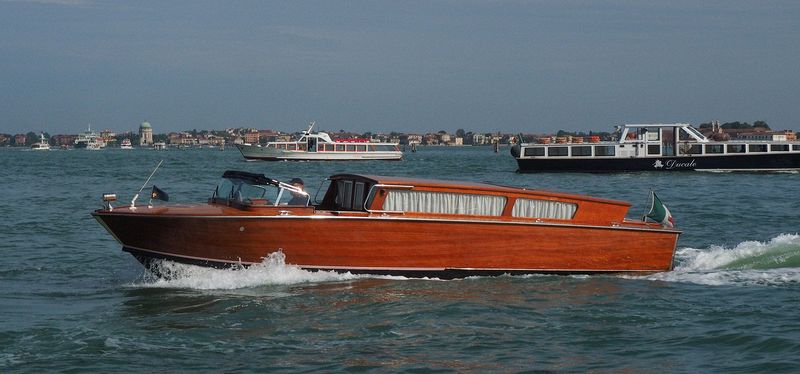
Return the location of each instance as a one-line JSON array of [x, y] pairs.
[[298, 199]]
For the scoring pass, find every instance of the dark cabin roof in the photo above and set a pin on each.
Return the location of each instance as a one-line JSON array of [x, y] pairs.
[[252, 178]]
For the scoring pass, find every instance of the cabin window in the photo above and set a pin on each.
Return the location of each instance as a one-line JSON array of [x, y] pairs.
[[715, 148], [693, 149], [292, 147], [779, 147], [444, 203], [371, 148], [344, 194], [358, 196], [795, 147], [533, 208], [604, 150], [757, 147], [654, 149], [361, 148], [351, 148], [736, 148], [558, 151], [583, 150], [652, 134], [694, 131], [534, 151]]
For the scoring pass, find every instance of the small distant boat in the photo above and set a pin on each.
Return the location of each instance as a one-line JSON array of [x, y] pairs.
[[96, 145], [319, 146], [126, 144], [42, 145], [656, 147], [89, 140], [159, 146], [400, 226]]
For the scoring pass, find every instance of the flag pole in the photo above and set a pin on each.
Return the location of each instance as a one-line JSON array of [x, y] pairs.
[[652, 200], [133, 201]]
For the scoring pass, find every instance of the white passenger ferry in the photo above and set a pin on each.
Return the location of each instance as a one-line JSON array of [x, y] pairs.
[[657, 147], [42, 145], [319, 146], [89, 140]]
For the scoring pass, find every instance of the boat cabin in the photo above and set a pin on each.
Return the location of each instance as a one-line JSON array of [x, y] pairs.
[[422, 198], [370, 195], [653, 140]]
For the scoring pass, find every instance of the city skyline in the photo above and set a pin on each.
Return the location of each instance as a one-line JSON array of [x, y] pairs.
[[507, 66]]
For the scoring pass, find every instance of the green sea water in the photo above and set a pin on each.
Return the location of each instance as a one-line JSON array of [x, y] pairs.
[[71, 300]]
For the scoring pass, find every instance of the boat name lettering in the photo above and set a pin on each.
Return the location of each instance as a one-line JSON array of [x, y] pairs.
[[674, 164]]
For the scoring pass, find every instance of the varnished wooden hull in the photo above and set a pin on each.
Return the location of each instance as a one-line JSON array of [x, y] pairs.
[[394, 245]]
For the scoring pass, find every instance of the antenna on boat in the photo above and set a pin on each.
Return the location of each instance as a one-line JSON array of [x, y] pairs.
[[133, 201], [305, 133]]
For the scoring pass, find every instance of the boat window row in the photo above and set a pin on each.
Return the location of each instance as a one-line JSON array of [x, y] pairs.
[[288, 146], [577, 151], [476, 205], [656, 149], [336, 147], [697, 149]]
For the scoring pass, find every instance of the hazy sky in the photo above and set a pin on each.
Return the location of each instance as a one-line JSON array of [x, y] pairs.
[[415, 66]]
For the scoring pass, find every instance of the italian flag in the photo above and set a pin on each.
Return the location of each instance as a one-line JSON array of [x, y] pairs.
[[660, 213]]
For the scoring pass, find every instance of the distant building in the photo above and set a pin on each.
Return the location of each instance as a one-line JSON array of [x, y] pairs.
[[430, 139], [64, 140], [776, 136], [251, 137], [478, 139], [414, 139], [19, 140], [267, 136], [145, 134]]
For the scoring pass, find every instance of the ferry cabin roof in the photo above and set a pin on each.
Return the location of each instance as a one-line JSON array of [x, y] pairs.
[[414, 197]]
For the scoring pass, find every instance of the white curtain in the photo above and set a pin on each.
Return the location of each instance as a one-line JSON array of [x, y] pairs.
[[531, 208], [444, 203]]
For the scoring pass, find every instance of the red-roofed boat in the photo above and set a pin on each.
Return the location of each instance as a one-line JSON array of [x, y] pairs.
[[400, 226]]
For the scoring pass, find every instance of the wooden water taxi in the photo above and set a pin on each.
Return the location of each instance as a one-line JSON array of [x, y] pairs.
[[399, 226], [657, 147], [318, 146]]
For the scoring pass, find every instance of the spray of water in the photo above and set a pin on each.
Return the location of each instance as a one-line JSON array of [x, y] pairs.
[[272, 271], [773, 262]]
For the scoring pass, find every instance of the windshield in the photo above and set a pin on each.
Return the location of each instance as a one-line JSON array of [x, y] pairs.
[[248, 193]]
